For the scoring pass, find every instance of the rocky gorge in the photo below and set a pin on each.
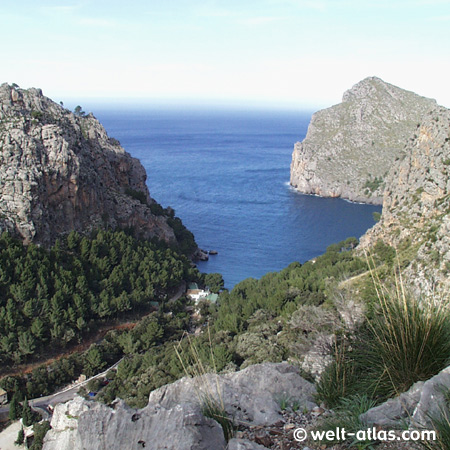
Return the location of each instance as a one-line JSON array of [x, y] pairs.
[[382, 144]]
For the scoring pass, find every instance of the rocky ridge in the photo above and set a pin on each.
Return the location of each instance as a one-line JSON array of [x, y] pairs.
[[60, 172], [416, 207], [350, 147]]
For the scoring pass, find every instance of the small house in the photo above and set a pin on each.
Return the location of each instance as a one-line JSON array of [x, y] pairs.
[[3, 397]]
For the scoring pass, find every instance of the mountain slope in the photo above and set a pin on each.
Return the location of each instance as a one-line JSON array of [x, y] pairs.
[[416, 206], [60, 172], [350, 147]]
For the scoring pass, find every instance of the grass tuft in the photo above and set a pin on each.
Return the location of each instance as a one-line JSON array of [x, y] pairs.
[[408, 340], [209, 396]]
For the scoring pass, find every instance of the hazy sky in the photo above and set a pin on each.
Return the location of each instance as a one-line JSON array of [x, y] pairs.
[[305, 53]]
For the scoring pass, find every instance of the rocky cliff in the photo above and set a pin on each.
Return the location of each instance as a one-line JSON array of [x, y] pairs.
[[416, 206], [60, 172], [350, 147]]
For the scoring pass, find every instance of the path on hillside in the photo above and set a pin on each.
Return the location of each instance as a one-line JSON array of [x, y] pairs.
[[95, 338], [68, 393]]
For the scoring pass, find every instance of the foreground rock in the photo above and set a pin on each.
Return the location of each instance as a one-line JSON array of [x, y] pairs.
[[350, 147], [80, 424], [61, 172], [173, 420], [418, 407], [250, 396]]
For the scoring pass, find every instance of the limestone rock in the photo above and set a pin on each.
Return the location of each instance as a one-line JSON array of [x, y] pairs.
[[251, 395], [61, 172], [173, 420], [416, 207], [417, 407], [99, 427], [350, 147], [394, 411]]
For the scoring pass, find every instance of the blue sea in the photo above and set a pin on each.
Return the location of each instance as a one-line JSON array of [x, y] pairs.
[[226, 174]]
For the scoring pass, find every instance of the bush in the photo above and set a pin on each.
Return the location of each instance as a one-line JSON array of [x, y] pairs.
[[337, 380], [441, 426], [40, 430], [346, 416], [407, 341], [137, 195]]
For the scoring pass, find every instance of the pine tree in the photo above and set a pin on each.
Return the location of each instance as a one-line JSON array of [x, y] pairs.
[[20, 437], [14, 408], [27, 413]]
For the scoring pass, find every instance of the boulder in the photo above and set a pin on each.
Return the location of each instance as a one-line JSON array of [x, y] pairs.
[[422, 403], [250, 396], [99, 427]]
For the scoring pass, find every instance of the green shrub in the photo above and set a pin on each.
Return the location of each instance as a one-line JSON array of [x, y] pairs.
[[137, 195], [347, 416], [441, 426], [337, 380], [407, 341], [40, 429]]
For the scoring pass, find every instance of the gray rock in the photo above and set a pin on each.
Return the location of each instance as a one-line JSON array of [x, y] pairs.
[[417, 407], [350, 144], [433, 400], [173, 419], [61, 172], [394, 411], [98, 427], [250, 396]]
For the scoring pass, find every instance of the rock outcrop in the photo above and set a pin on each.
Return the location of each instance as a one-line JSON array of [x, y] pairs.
[[418, 407], [350, 147], [60, 171], [416, 207], [173, 419], [87, 425], [251, 395]]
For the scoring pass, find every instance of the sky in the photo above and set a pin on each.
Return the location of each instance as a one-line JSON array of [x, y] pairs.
[[293, 53]]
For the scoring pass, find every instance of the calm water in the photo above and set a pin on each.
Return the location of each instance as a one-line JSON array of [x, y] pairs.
[[226, 175]]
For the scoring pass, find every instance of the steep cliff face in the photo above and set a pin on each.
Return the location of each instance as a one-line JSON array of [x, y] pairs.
[[60, 172], [416, 206], [350, 147]]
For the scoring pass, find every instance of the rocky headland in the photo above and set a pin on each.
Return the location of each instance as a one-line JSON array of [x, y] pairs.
[[60, 171], [350, 147]]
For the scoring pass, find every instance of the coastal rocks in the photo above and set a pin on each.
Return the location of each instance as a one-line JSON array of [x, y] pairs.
[[250, 396], [98, 427], [200, 255], [418, 407], [60, 171], [416, 207], [350, 147]]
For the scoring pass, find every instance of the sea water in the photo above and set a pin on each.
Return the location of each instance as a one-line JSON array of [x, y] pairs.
[[226, 174]]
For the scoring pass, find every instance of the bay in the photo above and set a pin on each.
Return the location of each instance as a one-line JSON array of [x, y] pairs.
[[226, 174]]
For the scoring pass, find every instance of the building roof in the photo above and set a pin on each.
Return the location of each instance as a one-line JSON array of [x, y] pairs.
[[2, 391], [212, 297]]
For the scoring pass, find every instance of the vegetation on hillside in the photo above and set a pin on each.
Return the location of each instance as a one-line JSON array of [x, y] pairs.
[[50, 298]]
